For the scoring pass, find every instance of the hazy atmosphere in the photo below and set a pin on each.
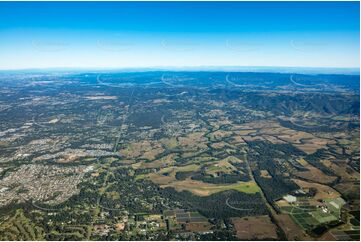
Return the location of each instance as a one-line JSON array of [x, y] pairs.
[[126, 34]]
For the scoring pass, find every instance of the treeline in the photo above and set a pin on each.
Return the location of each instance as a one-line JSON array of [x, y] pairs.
[[220, 205], [318, 128], [314, 159], [276, 187]]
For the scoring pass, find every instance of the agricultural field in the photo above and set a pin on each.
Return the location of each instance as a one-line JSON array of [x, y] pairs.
[[248, 228]]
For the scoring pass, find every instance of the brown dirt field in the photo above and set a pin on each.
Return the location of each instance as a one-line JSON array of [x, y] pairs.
[[232, 159], [302, 161], [136, 149], [119, 227], [265, 174], [258, 125], [307, 148], [193, 141], [165, 161], [198, 227], [327, 237], [275, 133], [340, 170], [250, 138], [312, 145], [237, 140], [170, 143], [168, 179], [95, 174], [295, 137], [220, 166], [291, 229], [323, 191], [220, 134], [200, 188], [282, 203], [161, 179], [72, 156], [137, 165], [219, 145], [143, 149], [189, 185], [151, 154], [255, 228], [323, 142], [244, 132], [273, 139], [314, 174]]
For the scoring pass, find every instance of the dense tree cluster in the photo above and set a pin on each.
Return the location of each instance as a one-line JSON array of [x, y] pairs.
[[266, 156], [221, 205]]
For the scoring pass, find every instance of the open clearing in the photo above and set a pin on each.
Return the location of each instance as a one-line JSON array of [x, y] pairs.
[[314, 174], [248, 228], [205, 189], [323, 191], [291, 229]]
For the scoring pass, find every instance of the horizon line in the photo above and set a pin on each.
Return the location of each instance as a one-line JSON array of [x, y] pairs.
[[280, 69], [176, 67]]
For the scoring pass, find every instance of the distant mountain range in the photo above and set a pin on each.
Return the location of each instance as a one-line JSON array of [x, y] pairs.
[[270, 69]]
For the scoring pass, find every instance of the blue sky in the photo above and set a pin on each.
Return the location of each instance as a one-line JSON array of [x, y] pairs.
[[147, 34]]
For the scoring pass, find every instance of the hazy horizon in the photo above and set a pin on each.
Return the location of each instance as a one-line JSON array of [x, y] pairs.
[[265, 69]]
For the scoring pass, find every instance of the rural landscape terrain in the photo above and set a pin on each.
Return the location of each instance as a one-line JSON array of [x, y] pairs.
[[166, 155]]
